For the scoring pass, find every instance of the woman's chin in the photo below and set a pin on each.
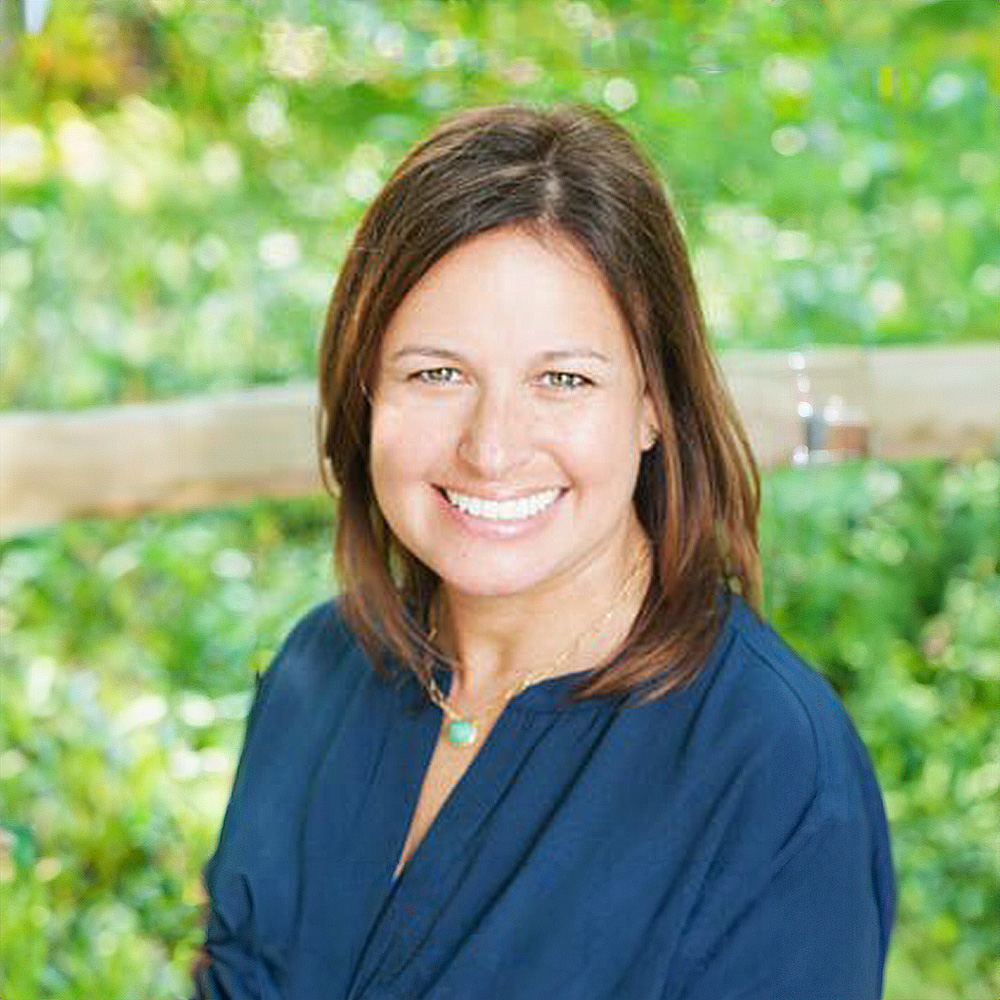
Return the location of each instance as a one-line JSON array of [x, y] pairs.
[[486, 578]]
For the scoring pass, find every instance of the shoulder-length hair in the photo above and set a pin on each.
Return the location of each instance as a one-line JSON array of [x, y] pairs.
[[573, 171]]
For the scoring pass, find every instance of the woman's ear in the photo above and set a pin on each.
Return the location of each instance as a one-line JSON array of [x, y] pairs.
[[650, 425]]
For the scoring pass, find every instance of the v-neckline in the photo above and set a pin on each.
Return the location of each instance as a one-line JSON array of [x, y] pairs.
[[549, 695], [415, 792], [409, 903], [410, 900]]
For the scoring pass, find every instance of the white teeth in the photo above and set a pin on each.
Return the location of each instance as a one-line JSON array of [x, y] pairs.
[[502, 510]]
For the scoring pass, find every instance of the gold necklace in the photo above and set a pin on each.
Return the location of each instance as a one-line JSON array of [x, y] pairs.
[[462, 729]]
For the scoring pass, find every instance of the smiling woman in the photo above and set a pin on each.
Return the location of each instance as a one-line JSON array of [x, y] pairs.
[[541, 744]]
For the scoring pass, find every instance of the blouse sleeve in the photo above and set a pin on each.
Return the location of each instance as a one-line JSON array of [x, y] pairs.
[[816, 930], [225, 970], [291, 704]]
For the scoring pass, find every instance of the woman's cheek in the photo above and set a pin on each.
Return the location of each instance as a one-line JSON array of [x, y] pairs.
[[588, 432], [404, 443]]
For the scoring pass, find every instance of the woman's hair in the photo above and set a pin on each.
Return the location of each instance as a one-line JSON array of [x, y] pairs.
[[569, 171]]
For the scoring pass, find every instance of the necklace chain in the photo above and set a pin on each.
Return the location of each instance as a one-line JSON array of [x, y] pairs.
[[462, 729]]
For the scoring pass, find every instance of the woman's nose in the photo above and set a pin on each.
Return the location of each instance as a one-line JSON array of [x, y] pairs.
[[495, 439]]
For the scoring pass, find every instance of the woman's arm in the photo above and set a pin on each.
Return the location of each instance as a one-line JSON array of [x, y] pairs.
[[223, 968], [817, 931]]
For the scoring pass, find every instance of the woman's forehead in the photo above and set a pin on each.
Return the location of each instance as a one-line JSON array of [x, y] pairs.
[[508, 291]]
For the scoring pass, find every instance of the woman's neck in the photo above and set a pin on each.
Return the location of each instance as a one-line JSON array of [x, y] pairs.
[[495, 642]]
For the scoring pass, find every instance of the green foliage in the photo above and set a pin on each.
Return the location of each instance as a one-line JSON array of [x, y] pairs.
[[180, 178], [127, 655]]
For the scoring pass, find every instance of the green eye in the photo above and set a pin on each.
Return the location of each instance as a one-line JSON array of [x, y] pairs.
[[569, 380]]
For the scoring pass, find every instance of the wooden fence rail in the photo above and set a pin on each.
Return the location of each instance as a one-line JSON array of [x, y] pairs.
[[203, 451]]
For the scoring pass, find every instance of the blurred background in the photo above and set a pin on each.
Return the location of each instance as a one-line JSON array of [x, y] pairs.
[[180, 179]]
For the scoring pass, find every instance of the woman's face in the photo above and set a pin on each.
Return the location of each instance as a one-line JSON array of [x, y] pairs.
[[508, 417]]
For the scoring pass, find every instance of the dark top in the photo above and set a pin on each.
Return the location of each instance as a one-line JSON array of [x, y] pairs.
[[726, 841]]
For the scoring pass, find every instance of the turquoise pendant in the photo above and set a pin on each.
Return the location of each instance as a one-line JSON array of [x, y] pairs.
[[461, 732]]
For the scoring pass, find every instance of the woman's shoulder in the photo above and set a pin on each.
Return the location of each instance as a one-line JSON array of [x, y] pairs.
[[318, 634], [776, 701], [318, 651], [786, 805]]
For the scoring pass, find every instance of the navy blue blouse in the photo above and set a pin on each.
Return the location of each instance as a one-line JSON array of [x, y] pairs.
[[725, 841]]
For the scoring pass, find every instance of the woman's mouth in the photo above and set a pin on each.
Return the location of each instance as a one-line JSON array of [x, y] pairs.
[[502, 510], [502, 518]]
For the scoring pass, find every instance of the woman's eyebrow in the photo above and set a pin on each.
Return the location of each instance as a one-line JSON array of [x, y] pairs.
[[559, 355]]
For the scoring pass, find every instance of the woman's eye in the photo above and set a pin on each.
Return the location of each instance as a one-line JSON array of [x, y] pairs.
[[432, 376], [568, 380]]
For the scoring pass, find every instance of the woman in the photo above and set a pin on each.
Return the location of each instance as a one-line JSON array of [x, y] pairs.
[[541, 746]]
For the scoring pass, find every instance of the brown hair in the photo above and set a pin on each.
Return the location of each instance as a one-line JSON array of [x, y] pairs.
[[573, 171]]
